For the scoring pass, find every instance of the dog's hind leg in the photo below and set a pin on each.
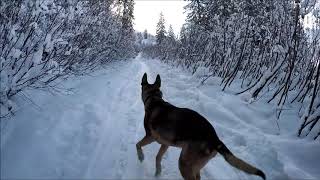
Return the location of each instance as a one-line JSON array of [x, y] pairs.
[[160, 154], [198, 177], [186, 170], [192, 160], [186, 162], [144, 141]]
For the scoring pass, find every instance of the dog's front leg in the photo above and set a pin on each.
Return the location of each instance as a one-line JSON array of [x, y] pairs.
[[144, 141], [160, 154]]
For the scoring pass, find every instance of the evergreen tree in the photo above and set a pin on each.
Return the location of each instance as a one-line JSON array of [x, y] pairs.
[[145, 34], [127, 15], [171, 34], [161, 29], [127, 32], [183, 34], [139, 37]]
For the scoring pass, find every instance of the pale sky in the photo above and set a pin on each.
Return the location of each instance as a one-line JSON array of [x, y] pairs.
[[147, 13]]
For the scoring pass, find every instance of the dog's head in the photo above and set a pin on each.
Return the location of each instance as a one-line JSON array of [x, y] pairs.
[[150, 90]]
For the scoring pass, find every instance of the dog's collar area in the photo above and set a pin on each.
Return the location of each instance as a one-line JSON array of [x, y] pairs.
[[153, 95], [150, 97], [146, 100]]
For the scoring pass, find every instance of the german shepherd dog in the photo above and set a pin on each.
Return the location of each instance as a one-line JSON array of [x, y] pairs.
[[180, 127]]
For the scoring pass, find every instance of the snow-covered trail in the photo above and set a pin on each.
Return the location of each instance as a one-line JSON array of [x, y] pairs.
[[92, 132]]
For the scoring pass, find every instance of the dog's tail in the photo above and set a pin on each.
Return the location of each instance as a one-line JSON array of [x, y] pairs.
[[238, 163]]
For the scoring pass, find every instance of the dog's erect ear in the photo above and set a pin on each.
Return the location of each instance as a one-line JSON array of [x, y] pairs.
[[158, 81], [144, 79]]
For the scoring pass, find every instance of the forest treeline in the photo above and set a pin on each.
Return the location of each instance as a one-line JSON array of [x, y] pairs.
[[266, 45], [45, 41]]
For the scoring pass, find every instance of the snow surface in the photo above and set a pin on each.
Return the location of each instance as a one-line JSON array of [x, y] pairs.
[[91, 133]]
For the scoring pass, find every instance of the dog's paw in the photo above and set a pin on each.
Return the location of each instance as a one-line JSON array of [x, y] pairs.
[[158, 172], [140, 156]]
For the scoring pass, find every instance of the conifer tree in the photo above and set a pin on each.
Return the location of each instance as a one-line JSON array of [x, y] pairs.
[[145, 34], [171, 34], [161, 29]]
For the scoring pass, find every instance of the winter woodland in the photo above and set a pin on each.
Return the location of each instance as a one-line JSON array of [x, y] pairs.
[[264, 44], [70, 85]]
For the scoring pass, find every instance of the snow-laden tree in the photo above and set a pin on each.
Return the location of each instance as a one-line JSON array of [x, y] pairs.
[[145, 34], [126, 8], [171, 34], [42, 41], [161, 29]]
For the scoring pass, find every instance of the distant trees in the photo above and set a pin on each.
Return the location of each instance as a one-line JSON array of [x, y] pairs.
[[43, 41], [262, 44], [166, 46]]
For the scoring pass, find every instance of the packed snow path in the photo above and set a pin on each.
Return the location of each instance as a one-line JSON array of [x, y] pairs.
[[91, 133]]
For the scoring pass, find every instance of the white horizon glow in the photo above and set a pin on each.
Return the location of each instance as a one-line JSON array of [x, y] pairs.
[[147, 14]]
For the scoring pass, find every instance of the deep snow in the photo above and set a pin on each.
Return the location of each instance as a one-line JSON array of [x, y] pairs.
[[91, 133]]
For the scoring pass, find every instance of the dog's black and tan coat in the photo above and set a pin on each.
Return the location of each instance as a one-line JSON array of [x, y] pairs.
[[184, 128]]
